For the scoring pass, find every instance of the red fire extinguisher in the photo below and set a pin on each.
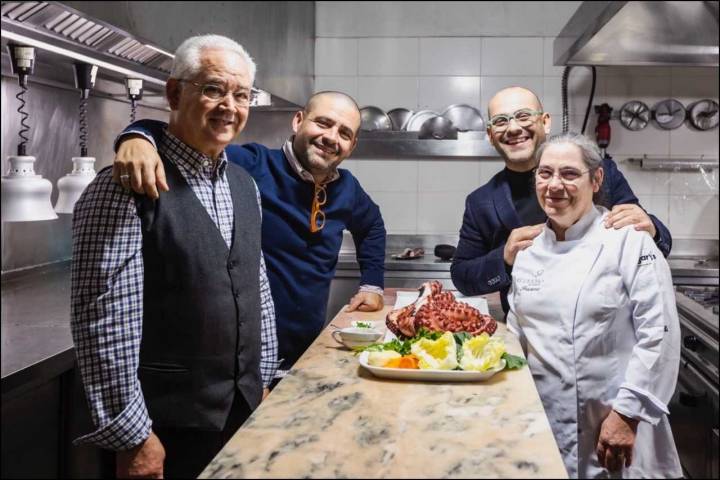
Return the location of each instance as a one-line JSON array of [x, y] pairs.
[[602, 129]]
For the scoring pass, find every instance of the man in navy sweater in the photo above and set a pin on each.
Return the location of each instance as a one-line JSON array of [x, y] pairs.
[[503, 216], [307, 202]]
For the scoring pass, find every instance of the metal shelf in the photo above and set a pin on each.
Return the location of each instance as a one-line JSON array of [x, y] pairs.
[[391, 144], [675, 164]]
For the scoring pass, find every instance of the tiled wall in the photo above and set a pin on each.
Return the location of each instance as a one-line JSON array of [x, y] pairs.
[[428, 55]]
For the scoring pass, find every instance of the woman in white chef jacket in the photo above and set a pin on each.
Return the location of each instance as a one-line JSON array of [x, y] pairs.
[[595, 312]]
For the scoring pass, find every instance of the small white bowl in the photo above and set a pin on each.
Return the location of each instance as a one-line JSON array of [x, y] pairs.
[[373, 324], [353, 337]]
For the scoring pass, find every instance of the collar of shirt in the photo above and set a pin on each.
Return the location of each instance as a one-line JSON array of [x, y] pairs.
[[577, 230], [297, 167], [192, 162]]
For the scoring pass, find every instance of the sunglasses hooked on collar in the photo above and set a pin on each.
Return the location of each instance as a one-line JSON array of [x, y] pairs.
[[317, 216]]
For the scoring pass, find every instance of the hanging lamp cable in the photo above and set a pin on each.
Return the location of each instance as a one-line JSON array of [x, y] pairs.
[[564, 92], [24, 126], [83, 126], [22, 62], [133, 110]]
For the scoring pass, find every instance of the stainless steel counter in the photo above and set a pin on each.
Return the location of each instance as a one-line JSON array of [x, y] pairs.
[[348, 261], [680, 267], [688, 259], [688, 263], [36, 340], [43, 401]]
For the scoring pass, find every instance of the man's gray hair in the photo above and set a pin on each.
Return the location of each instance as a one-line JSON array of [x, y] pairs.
[[590, 151], [187, 56]]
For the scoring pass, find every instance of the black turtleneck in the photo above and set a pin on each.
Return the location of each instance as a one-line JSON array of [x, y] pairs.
[[522, 190]]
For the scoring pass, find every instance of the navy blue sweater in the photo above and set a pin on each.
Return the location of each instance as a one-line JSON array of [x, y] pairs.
[[301, 264]]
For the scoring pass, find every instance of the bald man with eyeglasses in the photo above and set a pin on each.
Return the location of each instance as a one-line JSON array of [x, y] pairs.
[[503, 216]]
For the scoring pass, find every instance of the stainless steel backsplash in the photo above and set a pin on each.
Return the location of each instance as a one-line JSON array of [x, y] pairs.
[[54, 130]]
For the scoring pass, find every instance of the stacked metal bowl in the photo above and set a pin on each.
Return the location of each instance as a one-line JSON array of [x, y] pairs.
[[429, 124]]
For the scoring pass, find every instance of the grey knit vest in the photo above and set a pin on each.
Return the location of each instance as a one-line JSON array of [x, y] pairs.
[[201, 319]]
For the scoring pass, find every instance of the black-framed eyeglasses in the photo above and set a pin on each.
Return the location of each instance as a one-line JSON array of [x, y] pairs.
[[566, 175], [523, 117], [215, 92]]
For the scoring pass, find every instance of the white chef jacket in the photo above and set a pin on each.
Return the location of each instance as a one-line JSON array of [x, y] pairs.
[[597, 320]]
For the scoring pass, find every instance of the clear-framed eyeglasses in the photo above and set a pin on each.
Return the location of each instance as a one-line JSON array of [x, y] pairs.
[[524, 118], [215, 92], [566, 175]]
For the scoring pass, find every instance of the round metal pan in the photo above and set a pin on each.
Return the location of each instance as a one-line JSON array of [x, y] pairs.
[[438, 128], [374, 118], [418, 118], [635, 115], [703, 114], [669, 114], [399, 118], [465, 118]]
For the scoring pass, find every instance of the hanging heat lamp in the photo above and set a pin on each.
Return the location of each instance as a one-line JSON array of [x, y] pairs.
[[134, 88], [25, 195], [72, 185]]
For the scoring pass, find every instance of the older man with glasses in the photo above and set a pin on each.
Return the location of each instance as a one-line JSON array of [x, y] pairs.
[[503, 216], [171, 313], [307, 203]]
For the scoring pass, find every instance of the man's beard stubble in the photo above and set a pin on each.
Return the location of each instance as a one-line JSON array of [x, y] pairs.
[[316, 165]]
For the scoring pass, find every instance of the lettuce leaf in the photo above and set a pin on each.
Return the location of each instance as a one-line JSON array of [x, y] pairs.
[[513, 362]]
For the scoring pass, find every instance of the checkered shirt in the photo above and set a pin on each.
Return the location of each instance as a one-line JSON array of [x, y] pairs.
[[107, 293]]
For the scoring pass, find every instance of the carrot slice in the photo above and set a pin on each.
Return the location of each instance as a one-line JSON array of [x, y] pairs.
[[406, 361]]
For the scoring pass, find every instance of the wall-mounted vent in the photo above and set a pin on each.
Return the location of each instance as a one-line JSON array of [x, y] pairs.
[[641, 34], [56, 28], [56, 20]]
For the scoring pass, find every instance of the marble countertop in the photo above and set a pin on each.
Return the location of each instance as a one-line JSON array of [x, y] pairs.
[[331, 418]]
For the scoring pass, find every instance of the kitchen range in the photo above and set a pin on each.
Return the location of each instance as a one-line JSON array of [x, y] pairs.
[[694, 407]]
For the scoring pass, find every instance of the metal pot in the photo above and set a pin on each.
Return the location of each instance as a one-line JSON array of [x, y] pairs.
[[374, 118], [438, 128], [444, 252], [399, 118], [418, 118], [465, 118]]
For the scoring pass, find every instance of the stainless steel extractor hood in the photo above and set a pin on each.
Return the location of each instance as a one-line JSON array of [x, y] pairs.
[[640, 33], [61, 30], [55, 28]]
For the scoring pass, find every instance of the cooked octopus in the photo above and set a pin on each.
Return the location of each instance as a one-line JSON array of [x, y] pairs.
[[437, 310]]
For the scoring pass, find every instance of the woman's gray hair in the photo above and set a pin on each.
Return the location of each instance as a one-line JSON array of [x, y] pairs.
[[187, 56], [590, 151], [591, 156]]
